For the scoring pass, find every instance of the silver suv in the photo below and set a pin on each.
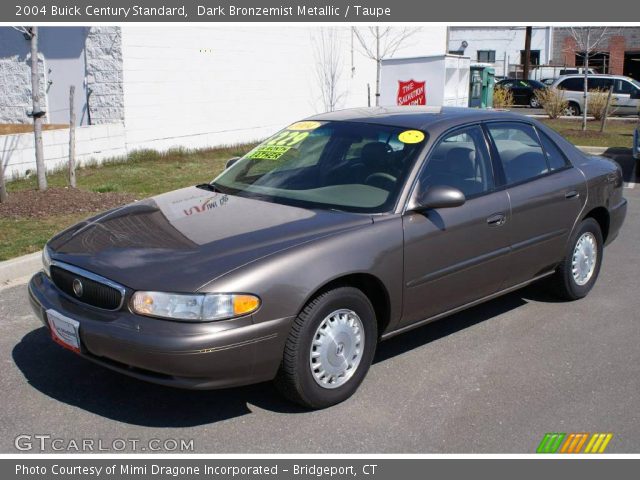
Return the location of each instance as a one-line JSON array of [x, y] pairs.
[[626, 92]]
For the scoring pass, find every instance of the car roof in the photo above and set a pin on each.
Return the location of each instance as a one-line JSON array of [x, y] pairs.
[[418, 117], [594, 75]]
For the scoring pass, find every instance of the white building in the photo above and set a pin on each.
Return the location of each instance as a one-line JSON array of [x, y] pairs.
[[502, 47], [191, 86]]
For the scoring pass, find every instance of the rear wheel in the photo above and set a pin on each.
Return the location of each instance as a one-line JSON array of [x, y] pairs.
[[329, 349], [579, 270], [572, 110], [533, 102]]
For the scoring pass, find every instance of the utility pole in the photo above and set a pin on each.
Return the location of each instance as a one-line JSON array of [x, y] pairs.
[[527, 53], [37, 112]]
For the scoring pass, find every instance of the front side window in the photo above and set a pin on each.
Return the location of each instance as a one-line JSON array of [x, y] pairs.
[[623, 87], [520, 153], [460, 160], [349, 166]]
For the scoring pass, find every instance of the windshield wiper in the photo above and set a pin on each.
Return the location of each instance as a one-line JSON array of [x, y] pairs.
[[212, 187]]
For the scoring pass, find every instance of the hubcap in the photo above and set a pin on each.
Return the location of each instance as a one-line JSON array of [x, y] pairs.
[[337, 348], [583, 262]]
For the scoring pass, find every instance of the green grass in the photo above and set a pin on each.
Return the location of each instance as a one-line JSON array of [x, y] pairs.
[[618, 133], [146, 173], [19, 237]]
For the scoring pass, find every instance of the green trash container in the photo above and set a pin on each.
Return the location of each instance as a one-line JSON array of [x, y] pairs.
[[481, 82]]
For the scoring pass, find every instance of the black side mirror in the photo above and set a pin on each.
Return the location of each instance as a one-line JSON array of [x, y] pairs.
[[230, 162], [635, 95], [438, 196]]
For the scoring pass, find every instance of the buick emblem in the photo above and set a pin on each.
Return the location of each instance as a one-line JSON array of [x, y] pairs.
[[77, 287]]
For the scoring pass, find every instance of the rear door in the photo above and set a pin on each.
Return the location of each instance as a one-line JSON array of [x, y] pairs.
[[454, 256], [546, 195]]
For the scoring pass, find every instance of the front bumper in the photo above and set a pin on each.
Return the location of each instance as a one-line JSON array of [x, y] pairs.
[[204, 355]]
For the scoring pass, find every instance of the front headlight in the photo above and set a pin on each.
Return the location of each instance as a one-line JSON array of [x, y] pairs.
[[46, 261], [199, 307]]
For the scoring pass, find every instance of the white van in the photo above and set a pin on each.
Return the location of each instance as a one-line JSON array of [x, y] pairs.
[[626, 92]]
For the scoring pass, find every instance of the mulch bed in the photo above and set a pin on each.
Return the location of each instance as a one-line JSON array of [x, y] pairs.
[[60, 201]]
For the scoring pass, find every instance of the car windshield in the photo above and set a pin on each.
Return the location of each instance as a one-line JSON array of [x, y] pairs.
[[350, 166]]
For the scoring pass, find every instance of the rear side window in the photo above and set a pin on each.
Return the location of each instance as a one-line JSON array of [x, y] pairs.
[[599, 82], [520, 153], [572, 84], [555, 156]]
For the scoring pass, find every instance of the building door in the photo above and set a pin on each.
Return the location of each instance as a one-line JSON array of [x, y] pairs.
[[632, 65], [63, 50]]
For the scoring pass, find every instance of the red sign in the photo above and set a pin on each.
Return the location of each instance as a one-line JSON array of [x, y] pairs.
[[411, 92]]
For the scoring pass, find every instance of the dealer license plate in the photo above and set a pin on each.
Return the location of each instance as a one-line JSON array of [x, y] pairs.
[[64, 330]]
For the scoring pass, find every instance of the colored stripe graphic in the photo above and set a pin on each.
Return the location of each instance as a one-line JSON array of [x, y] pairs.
[[598, 443], [550, 442], [573, 442]]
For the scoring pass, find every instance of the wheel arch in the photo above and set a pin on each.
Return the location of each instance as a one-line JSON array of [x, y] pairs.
[[371, 286], [600, 215]]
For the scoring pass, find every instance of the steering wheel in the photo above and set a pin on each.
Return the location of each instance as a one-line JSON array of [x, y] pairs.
[[381, 180]]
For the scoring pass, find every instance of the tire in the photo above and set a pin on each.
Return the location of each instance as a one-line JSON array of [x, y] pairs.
[[573, 110], [335, 309], [564, 283], [533, 102]]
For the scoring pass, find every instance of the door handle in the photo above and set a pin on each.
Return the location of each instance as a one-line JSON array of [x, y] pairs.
[[497, 220], [571, 194]]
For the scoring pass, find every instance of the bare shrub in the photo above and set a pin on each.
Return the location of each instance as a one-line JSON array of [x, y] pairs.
[[597, 102], [552, 101], [502, 98]]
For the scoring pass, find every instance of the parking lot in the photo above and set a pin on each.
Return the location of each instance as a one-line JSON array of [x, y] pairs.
[[495, 378]]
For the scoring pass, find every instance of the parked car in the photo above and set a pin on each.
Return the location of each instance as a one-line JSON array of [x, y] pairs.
[[337, 232], [523, 90], [626, 92]]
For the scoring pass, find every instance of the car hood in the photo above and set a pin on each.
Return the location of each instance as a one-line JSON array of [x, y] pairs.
[[180, 240]]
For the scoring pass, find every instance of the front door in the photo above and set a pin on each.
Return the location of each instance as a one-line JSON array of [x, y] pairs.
[[454, 256]]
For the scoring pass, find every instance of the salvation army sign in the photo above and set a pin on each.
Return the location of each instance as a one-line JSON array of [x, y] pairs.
[[411, 92]]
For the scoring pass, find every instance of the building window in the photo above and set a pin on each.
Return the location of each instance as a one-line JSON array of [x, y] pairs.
[[534, 56], [598, 61], [487, 56]]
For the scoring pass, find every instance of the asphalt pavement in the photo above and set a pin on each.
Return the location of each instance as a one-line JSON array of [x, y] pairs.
[[495, 378]]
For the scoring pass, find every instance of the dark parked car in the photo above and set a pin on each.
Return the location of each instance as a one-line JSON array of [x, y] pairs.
[[523, 90], [337, 232]]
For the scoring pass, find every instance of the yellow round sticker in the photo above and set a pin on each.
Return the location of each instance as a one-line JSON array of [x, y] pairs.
[[411, 136], [301, 126]]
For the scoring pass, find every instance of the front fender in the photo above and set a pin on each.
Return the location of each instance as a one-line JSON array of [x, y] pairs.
[[286, 281]]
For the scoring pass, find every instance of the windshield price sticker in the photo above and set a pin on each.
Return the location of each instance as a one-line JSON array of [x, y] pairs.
[[278, 145]]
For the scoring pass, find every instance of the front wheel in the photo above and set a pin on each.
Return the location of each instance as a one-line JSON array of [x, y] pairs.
[[533, 102], [577, 273], [329, 349]]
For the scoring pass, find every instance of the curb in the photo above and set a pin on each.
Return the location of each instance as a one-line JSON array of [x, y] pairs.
[[593, 150], [18, 268]]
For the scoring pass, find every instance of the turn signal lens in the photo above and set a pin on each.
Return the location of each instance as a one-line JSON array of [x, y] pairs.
[[245, 304]]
